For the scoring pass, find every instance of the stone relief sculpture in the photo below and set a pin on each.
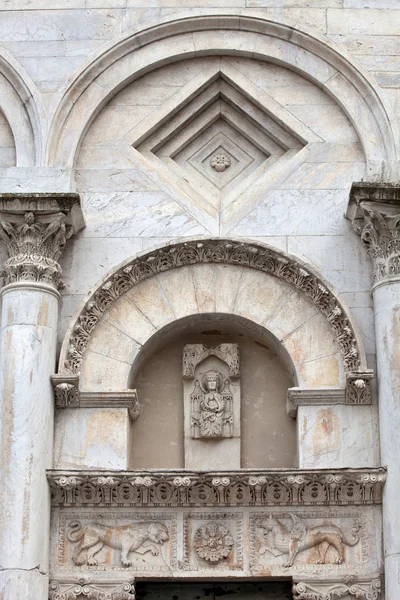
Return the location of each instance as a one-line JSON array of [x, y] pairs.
[[213, 542], [211, 398], [300, 537], [211, 407], [128, 538]]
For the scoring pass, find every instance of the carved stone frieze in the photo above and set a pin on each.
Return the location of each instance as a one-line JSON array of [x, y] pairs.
[[374, 212], [83, 588], [213, 251], [142, 542], [349, 587], [35, 230], [241, 488]]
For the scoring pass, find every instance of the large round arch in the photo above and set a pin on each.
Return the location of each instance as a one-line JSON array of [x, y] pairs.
[[211, 277], [308, 54], [21, 104]]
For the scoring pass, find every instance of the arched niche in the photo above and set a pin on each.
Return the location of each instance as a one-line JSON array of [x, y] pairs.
[[137, 306], [313, 57], [267, 433]]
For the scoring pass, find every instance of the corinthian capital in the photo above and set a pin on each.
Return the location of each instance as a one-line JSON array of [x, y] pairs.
[[35, 229], [374, 212]]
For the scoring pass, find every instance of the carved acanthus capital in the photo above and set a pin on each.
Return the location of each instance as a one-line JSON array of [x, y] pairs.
[[374, 212], [349, 588], [35, 229]]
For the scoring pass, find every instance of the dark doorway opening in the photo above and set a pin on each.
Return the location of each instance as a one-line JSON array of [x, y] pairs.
[[181, 590]]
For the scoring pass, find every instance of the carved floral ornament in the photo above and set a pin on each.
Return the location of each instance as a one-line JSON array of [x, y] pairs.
[[213, 251], [241, 488]]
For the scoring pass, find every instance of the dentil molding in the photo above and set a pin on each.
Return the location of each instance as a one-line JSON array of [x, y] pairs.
[[374, 212], [35, 229]]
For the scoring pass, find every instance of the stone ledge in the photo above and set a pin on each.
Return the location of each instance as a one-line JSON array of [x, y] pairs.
[[247, 487]]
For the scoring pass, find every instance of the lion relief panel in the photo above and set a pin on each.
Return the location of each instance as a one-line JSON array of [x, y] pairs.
[[117, 541]]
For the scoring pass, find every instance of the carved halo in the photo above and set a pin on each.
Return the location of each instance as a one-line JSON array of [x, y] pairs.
[[207, 376]]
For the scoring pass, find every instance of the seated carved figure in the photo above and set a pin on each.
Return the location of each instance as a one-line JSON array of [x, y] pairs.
[[300, 537], [127, 538]]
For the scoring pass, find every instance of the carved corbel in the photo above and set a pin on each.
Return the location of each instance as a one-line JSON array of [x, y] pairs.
[[352, 587], [374, 213], [68, 395], [35, 228], [358, 387], [66, 390]]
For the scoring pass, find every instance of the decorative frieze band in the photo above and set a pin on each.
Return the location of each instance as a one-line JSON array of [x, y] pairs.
[[68, 395], [374, 212], [350, 587], [232, 488], [35, 229], [214, 251]]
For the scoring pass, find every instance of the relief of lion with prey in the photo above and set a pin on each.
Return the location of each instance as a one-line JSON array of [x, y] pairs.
[[126, 538]]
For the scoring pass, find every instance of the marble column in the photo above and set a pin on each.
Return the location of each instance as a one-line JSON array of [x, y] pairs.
[[35, 230], [374, 211]]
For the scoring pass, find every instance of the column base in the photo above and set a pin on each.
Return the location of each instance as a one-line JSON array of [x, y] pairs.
[[17, 584]]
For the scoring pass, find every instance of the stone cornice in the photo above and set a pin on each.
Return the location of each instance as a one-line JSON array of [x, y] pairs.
[[220, 251], [35, 229], [374, 212], [350, 587], [280, 487], [68, 395]]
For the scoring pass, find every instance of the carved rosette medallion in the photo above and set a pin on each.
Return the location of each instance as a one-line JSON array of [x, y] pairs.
[[220, 162], [213, 542]]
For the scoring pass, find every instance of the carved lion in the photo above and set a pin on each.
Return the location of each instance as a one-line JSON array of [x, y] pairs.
[[127, 538]]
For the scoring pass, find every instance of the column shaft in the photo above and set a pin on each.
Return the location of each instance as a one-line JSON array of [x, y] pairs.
[[28, 352], [387, 325]]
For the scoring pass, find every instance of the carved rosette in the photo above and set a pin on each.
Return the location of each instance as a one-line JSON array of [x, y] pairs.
[[35, 230], [363, 590], [213, 542]]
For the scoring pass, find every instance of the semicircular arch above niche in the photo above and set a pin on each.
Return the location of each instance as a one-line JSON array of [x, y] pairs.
[[235, 290], [190, 139]]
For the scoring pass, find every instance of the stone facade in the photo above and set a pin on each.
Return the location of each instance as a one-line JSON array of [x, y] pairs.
[[200, 249]]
